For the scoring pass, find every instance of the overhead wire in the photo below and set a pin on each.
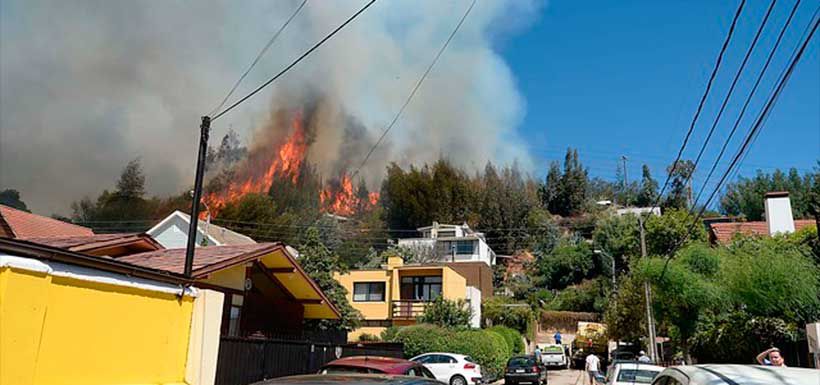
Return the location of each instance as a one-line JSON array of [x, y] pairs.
[[259, 56], [414, 90], [294, 63]]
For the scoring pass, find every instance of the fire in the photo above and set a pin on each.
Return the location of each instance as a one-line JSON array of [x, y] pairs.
[[338, 196]]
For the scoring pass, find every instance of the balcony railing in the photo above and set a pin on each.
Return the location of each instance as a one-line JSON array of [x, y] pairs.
[[409, 308]]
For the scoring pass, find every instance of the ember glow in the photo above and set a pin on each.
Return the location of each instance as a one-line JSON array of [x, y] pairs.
[[256, 175]]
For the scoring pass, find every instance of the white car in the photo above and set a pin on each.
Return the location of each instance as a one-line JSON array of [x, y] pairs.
[[454, 369], [737, 374], [629, 373], [553, 356]]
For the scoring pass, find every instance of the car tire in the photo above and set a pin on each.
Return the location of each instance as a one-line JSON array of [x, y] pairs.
[[458, 380]]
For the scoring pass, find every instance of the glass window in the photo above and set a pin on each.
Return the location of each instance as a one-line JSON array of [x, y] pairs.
[[233, 321], [368, 291], [427, 373], [640, 376], [420, 288], [465, 247]]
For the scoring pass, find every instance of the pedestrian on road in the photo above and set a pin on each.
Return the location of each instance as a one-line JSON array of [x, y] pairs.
[[593, 366], [557, 337], [642, 357], [537, 353], [771, 357]]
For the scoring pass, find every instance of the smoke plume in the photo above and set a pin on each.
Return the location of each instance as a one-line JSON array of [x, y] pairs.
[[86, 86]]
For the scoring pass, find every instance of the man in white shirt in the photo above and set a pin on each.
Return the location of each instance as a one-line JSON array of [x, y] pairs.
[[593, 366], [643, 358]]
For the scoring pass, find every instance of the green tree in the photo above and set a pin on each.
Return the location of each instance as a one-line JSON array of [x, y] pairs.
[[569, 263], [648, 193], [671, 230], [131, 184], [116, 211], [746, 196], [319, 263], [551, 188], [680, 191], [11, 198], [447, 313], [618, 236]]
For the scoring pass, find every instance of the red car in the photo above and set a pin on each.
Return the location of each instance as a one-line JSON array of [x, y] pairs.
[[378, 365]]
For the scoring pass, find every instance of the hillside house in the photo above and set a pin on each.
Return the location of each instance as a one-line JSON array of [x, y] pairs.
[[451, 243]]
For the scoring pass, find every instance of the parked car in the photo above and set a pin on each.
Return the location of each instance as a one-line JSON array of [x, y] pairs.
[[630, 373], [454, 369], [736, 375], [522, 369], [554, 356], [376, 365], [358, 379]]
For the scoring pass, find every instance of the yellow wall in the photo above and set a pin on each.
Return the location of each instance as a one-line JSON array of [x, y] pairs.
[[369, 310], [453, 285], [373, 330], [58, 330]]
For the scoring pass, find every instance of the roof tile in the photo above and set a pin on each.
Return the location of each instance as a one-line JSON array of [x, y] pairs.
[[27, 225]]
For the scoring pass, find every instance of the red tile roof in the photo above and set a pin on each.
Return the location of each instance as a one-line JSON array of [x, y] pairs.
[[20, 224], [724, 231], [206, 259]]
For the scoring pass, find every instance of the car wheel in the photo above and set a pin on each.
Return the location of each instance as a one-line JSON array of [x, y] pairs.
[[458, 380]]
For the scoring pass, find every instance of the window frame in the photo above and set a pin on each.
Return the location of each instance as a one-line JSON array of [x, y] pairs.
[[369, 291]]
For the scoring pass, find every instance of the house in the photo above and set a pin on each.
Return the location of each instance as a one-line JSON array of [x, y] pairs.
[[172, 233], [451, 243], [266, 291], [778, 220], [397, 293], [72, 317], [16, 223], [638, 211]]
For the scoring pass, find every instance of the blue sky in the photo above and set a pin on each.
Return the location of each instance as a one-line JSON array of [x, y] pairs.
[[613, 78]]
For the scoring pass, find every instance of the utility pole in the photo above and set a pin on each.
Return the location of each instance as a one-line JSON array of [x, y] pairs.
[[650, 321], [204, 131]]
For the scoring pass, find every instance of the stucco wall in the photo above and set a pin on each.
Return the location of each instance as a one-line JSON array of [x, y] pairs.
[[369, 310], [62, 330]]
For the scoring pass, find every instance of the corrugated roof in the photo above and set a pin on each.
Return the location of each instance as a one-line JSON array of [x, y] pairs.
[[724, 231], [27, 225]]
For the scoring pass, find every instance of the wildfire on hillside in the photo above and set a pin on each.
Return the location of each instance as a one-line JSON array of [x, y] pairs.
[[282, 162]]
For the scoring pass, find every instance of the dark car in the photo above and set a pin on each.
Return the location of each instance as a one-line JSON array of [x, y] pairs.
[[376, 365], [522, 369], [358, 379]]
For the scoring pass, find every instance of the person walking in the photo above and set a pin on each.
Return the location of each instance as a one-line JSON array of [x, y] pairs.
[[593, 366], [557, 337], [537, 354], [771, 357]]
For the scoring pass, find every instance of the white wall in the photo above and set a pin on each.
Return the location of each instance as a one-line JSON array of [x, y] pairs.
[[779, 215], [174, 234], [474, 295]]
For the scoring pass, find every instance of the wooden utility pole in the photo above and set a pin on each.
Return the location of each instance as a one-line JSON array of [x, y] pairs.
[[204, 132], [650, 321]]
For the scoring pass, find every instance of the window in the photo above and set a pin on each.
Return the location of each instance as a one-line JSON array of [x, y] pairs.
[[368, 291], [445, 234], [465, 247], [420, 288], [233, 320], [640, 376]]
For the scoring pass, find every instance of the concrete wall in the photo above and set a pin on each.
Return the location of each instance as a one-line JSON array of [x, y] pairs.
[[203, 344], [61, 324]]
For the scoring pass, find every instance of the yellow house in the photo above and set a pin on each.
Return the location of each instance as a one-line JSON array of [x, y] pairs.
[[398, 293], [70, 318]]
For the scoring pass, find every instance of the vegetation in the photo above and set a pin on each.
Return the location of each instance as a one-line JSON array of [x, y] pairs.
[[504, 311], [745, 197], [11, 198], [512, 337], [447, 313]]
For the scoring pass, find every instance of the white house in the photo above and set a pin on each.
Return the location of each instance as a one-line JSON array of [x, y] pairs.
[[172, 233], [452, 243]]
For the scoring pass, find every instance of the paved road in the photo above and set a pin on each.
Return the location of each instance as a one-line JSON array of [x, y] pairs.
[[563, 377]]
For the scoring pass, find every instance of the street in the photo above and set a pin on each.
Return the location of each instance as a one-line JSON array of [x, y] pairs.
[[562, 377]]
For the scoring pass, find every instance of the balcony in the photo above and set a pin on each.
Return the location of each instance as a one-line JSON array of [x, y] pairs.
[[408, 309]]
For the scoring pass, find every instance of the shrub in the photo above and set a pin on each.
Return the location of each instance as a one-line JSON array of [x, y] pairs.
[[447, 313], [389, 334], [503, 311], [487, 348], [422, 338], [367, 337], [511, 336]]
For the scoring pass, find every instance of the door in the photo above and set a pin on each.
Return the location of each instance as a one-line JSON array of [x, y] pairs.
[[441, 366]]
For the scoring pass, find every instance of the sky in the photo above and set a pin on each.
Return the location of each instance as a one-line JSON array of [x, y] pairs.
[[624, 78], [87, 86]]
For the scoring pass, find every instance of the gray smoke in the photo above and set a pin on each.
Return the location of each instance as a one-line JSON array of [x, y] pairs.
[[86, 86]]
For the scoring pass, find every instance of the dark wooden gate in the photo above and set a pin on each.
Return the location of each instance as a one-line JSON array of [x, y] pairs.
[[243, 361]]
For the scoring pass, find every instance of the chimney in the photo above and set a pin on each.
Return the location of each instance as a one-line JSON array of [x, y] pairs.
[[779, 213]]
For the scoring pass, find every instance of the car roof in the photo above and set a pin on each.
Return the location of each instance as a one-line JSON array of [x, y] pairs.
[[442, 353], [638, 365], [384, 364], [712, 374], [363, 379]]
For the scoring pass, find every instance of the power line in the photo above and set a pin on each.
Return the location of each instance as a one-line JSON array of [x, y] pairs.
[[748, 99], [702, 99], [731, 90], [295, 62], [259, 56], [415, 88]]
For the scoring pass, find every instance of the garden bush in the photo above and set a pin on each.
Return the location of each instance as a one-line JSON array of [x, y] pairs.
[[511, 336], [487, 348], [422, 338]]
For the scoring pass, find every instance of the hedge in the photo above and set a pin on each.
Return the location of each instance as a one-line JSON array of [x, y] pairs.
[[512, 337], [489, 348]]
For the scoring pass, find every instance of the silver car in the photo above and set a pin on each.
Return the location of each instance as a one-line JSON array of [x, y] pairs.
[[737, 375]]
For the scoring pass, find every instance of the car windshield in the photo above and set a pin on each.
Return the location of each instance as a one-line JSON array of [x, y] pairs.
[[553, 350], [521, 361], [338, 369], [641, 376]]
